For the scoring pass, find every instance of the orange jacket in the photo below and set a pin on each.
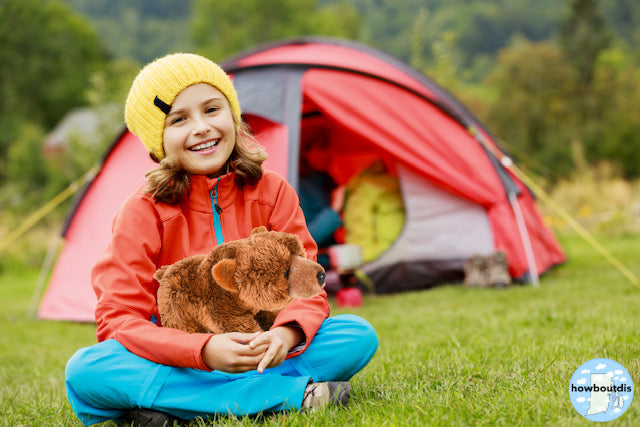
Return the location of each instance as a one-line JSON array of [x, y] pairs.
[[148, 235]]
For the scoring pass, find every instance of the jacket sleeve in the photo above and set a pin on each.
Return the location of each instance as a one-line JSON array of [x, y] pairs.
[[126, 291], [308, 313]]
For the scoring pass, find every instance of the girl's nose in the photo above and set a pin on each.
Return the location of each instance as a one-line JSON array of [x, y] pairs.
[[200, 126]]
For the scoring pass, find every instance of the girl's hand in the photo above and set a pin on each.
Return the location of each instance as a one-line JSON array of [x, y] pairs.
[[275, 344], [231, 352]]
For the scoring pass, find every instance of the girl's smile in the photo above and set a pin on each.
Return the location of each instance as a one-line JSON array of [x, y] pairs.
[[199, 130], [206, 145]]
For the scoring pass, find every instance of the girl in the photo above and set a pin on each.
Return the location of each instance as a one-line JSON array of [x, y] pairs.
[[209, 188]]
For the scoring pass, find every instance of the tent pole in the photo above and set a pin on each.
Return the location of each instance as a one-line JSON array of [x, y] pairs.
[[42, 276], [515, 207], [526, 241]]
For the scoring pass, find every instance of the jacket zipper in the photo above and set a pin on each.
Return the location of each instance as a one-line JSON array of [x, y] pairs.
[[216, 210]]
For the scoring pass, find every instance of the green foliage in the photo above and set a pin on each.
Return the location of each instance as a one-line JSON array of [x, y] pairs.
[[604, 83], [481, 27], [549, 97], [31, 178], [486, 27], [140, 30], [110, 84], [166, 9], [583, 35], [533, 110], [26, 166], [623, 17], [146, 29], [615, 129], [443, 66], [598, 198], [224, 27], [46, 57]]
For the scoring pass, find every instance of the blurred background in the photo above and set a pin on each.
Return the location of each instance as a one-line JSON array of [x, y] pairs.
[[557, 82]]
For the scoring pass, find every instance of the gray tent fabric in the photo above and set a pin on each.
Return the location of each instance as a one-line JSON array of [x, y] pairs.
[[441, 231], [275, 94]]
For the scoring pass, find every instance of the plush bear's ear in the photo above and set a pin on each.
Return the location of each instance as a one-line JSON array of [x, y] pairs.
[[223, 274], [160, 272], [258, 230], [293, 243]]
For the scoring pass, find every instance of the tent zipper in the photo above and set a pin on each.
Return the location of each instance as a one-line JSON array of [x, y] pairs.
[[216, 211]]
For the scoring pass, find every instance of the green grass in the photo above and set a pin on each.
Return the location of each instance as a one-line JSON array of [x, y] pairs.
[[447, 356]]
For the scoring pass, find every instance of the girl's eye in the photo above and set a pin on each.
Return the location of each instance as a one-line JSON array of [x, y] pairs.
[[211, 109], [177, 119]]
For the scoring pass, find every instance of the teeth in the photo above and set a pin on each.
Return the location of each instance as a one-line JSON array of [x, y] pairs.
[[204, 146]]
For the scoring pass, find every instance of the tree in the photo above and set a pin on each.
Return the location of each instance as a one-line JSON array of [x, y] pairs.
[[615, 135], [224, 27], [583, 35], [533, 109], [624, 20], [142, 29], [607, 89], [47, 54], [480, 27]]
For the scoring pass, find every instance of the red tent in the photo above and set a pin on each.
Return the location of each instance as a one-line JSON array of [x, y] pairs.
[[459, 199]]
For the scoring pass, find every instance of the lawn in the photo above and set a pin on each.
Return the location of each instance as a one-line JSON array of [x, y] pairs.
[[447, 356]]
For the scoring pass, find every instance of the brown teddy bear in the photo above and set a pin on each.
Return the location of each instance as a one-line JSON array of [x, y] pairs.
[[240, 286]]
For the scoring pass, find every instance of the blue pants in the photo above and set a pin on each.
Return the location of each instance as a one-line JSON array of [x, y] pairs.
[[105, 380]]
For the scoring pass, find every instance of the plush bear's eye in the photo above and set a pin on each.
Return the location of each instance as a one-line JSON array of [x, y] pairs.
[[286, 274]]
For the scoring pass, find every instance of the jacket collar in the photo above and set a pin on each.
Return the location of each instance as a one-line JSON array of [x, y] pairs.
[[199, 198]]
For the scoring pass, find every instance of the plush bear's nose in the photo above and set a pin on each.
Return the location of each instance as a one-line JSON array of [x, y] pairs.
[[322, 277]]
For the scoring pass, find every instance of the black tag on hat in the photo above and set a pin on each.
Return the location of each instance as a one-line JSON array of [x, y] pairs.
[[163, 106]]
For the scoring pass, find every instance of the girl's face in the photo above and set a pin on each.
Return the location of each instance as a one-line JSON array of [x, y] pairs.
[[199, 131]]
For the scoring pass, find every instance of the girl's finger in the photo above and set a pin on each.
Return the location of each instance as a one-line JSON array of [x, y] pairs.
[[265, 362], [273, 357], [261, 339], [259, 349], [243, 338]]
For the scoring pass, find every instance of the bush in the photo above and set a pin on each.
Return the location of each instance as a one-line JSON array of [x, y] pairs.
[[599, 199]]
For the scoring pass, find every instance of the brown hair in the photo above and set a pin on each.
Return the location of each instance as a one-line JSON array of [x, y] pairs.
[[168, 182]]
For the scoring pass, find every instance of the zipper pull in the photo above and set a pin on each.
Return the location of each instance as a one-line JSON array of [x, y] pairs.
[[218, 208]]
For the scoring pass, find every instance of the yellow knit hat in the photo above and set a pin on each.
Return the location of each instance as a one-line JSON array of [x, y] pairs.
[[158, 84]]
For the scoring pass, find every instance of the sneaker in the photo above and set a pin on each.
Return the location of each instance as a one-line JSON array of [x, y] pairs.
[[498, 270], [149, 418], [475, 272], [317, 395]]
